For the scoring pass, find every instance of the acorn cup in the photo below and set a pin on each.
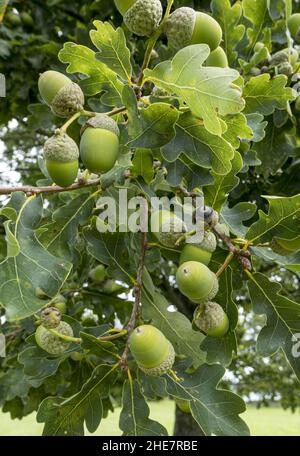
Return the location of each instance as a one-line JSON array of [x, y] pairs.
[[167, 227], [99, 144], [61, 155], [50, 317], [211, 319], [200, 252], [52, 343], [197, 282], [64, 97], [186, 26], [152, 351], [141, 17]]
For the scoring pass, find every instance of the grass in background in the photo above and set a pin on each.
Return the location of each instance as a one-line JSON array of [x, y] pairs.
[[270, 421]]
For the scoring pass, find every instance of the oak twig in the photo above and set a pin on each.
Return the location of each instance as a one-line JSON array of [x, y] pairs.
[[31, 190], [242, 255], [138, 292]]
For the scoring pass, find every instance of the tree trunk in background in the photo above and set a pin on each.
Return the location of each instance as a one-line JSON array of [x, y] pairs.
[[185, 425]]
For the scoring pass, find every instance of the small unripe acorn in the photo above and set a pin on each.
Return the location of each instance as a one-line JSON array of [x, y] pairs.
[[59, 302], [58, 91], [209, 216], [13, 19], [51, 343], [279, 57], [217, 58], [211, 319], [99, 144], [50, 317], [186, 26], [167, 227], [285, 68], [152, 351], [27, 19], [184, 406], [61, 154], [98, 274], [200, 252], [196, 281], [141, 17], [294, 25]]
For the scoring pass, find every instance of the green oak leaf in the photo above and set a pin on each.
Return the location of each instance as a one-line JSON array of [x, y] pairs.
[[208, 91], [184, 172], [99, 77], [282, 221], [60, 235], [113, 50], [199, 145], [102, 348], [237, 129], [257, 124], [142, 165], [236, 215], [134, 417], [217, 192], [263, 95], [38, 364], [215, 410], [108, 248], [40, 116], [29, 267], [229, 17], [176, 327], [283, 319], [67, 416], [220, 349], [151, 127], [256, 11], [275, 148]]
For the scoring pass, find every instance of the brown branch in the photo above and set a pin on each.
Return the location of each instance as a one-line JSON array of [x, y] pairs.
[[137, 294], [241, 254], [31, 190]]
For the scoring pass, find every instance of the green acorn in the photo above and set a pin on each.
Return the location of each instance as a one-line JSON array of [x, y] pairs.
[[208, 215], [58, 91], [13, 19], [197, 282], [50, 317], [217, 58], [184, 406], [51, 343], [27, 19], [211, 319], [152, 351], [167, 227], [294, 26], [61, 154], [59, 302], [285, 68], [200, 252], [141, 17], [186, 26], [98, 274], [99, 144]]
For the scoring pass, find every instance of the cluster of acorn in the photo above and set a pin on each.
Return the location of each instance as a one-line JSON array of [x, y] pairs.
[[99, 144], [194, 279], [184, 26]]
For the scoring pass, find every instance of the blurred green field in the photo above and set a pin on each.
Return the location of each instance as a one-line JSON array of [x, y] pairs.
[[267, 421]]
